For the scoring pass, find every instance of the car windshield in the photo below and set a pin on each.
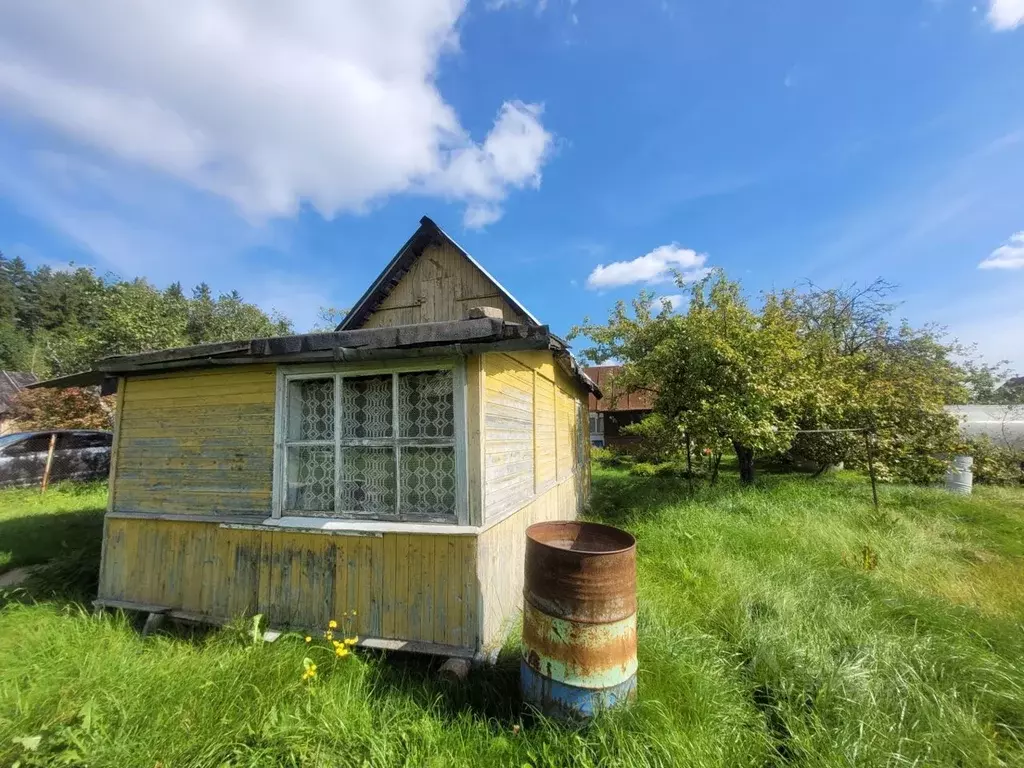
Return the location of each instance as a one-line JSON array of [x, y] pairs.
[[9, 439]]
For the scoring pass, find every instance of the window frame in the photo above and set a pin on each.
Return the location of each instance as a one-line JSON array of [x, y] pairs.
[[337, 372]]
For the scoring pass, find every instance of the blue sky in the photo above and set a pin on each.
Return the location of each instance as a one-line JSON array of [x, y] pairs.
[[578, 149]]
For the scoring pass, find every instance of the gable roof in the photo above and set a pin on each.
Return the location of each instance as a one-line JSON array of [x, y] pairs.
[[11, 382], [427, 234]]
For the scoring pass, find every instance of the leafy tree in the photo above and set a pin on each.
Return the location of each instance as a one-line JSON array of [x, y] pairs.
[[721, 372], [328, 318], [875, 374], [71, 408], [57, 322], [760, 378]]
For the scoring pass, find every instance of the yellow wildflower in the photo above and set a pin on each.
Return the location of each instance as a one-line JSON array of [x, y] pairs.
[[328, 635], [341, 651], [332, 624], [351, 640], [309, 639]]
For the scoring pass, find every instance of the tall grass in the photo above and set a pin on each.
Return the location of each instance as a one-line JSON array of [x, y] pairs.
[[790, 624], [35, 527]]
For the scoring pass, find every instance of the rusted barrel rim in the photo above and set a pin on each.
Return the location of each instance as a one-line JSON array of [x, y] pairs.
[[536, 534]]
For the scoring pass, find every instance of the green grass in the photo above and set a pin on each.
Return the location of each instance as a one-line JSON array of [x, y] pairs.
[[35, 527], [790, 624]]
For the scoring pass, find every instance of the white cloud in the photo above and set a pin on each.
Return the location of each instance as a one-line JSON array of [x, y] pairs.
[[1005, 14], [658, 266], [674, 300], [330, 102], [479, 215], [510, 157], [1008, 256]]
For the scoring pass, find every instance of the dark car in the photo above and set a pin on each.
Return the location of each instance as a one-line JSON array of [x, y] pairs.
[[78, 454]]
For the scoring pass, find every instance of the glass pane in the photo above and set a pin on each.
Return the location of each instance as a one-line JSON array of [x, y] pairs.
[[311, 409], [368, 480], [310, 478], [428, 482], [366, 408], [425, 407]]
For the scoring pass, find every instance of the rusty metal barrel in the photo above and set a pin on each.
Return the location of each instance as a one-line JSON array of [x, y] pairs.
[[579, 618]]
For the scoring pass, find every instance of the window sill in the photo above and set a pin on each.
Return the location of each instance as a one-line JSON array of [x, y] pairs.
[[333, 525]]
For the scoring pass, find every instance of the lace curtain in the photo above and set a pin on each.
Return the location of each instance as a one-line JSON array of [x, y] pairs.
[[393, 457]]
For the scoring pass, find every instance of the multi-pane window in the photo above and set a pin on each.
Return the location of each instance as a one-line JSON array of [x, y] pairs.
[[376, 446]]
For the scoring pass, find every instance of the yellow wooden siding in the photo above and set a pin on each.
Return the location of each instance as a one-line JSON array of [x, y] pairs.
[[573, 426], [197, 442], [508, 434], [441, 285], [501, 552], [544, 447], [414, 587]]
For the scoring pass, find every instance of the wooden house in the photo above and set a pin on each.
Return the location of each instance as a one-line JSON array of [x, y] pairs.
[[610, 415], [388, 469]]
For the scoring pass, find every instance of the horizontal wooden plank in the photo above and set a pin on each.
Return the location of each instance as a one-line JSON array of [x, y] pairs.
[[243, 463], [140, 489], [201, 398], [204, 374], [144, 388], [192, 477], [224, 411], [150, 501], [183, 435]]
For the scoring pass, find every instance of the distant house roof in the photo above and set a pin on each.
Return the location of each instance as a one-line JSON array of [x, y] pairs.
[[602, 376], [427, 234], [12, 382]]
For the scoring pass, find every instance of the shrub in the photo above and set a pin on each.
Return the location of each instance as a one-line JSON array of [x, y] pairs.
[[70, 408], [995, 464]]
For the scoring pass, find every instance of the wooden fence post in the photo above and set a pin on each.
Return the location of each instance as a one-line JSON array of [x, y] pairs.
[[49, 462], [871, 466]]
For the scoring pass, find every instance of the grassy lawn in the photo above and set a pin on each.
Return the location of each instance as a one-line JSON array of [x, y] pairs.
[[36, 527], [789, 624]]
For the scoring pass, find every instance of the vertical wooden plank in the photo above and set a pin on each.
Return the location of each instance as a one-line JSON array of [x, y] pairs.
[[357, 563], [390, 589], [475, 397], [401, 593], [115, 446], [428, 546], [266, 573], [536, 441], [376, 593], [439, 584], [416, 607], [131, 559], [195, 557], [346, 577], [470, 594], [245, 565]]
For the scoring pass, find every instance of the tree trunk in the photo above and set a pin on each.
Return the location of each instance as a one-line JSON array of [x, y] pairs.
[[745, 457], [714, 473]]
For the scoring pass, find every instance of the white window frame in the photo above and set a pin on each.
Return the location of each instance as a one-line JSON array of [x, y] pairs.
[[340, 519]]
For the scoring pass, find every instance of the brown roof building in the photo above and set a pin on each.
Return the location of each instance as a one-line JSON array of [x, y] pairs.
[[610, 414]]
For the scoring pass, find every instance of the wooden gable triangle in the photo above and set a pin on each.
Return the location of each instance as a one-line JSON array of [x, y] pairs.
[[431, 279]]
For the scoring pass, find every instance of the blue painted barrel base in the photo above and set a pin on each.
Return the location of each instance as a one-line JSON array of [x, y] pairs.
[[563, 701]]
